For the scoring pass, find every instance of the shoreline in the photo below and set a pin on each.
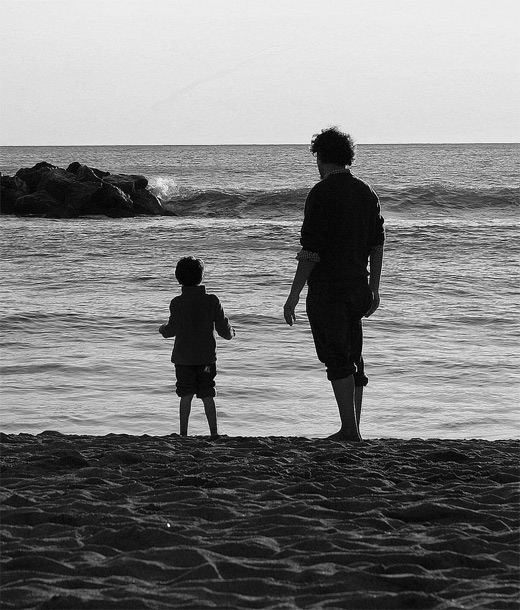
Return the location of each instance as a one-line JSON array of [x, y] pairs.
[[160, 522]]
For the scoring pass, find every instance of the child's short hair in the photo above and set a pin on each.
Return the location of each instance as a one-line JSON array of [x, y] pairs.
[[189, 271]]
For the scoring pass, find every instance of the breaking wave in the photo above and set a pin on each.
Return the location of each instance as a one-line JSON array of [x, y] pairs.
[[288, 203]]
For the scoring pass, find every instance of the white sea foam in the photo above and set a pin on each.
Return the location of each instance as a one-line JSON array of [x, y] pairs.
[[164, 187]]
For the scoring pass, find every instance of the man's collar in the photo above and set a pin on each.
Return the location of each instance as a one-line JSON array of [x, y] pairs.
[[342, 170]]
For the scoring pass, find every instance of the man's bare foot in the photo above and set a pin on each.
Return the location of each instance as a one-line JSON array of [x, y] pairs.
[[343, 436]]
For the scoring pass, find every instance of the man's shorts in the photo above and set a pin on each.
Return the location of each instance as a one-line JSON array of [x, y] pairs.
[[196, 379], [335, 312]]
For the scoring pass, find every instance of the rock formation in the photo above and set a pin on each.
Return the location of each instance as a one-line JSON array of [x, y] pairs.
[[50, 191]]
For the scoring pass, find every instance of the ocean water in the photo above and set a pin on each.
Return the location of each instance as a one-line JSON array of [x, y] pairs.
[[83, 299]]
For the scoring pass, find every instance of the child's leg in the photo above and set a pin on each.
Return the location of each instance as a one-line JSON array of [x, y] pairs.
[[184, 413], [211, 414]]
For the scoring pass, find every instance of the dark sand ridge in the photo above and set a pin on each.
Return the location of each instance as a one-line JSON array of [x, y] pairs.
[[141, 522]]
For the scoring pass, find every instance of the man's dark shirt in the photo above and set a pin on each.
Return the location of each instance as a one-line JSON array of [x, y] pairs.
[[342, 224]]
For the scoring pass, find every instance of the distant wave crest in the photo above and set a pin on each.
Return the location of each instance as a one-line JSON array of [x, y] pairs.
[[288, 203], [449, 198]]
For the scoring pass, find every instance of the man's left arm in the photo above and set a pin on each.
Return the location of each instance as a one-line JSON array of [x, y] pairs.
[[376, 258], [375, 269]]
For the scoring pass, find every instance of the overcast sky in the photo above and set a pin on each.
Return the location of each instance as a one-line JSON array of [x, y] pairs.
[[258, 71]]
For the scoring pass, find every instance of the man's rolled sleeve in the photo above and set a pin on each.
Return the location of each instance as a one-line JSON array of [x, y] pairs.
[[306, 255], [314, 233]]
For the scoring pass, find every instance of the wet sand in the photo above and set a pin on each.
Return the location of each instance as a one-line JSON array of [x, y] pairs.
[[142, 522]]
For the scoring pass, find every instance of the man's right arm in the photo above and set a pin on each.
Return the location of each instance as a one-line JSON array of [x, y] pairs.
[[305, 266], [315, 231]]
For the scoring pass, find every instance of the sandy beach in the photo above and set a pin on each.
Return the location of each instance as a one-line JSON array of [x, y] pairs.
[[142, 522]]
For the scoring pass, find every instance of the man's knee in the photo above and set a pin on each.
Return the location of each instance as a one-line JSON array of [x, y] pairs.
[[340, 372]]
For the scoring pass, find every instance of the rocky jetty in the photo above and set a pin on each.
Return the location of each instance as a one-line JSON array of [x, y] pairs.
[[53, 192]]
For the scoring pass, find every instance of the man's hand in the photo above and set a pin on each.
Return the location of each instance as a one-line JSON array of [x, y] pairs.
[[376, 300], [289, 307]]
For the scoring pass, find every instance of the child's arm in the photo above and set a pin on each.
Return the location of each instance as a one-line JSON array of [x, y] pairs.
[[166, 331], [169, 329], [222, 325]]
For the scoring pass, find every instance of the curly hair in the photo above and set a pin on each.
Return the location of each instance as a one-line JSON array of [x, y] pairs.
[[189, 271], [333, 146]]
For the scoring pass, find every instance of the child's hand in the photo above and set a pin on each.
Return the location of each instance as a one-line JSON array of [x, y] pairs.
[[167, 331]]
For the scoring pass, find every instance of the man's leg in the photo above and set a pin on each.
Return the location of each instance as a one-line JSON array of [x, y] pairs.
[[360, 379], [184, 413], [358, 400], [344, 393], [331, 325]]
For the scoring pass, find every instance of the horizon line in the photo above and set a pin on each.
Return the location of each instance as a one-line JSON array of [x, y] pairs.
[[255, 144]]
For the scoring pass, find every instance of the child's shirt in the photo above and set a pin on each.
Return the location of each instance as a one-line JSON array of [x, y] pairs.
[[194, 316]]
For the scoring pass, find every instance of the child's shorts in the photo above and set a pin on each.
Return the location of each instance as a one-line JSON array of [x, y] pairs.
[[196, 379]]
